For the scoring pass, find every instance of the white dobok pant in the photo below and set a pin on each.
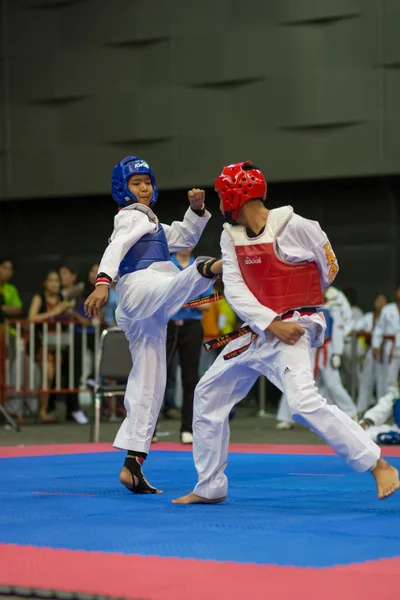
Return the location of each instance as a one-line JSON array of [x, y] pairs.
[[390, 366], [329, 383], [290, 368], [147, 299]]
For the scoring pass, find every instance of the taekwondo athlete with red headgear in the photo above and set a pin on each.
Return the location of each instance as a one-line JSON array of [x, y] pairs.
[[150, 290], [275, 266]]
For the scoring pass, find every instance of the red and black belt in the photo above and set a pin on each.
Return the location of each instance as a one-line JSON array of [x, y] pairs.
[[223, 340]]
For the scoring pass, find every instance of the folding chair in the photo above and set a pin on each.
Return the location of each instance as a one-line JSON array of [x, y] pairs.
[[113, 362]]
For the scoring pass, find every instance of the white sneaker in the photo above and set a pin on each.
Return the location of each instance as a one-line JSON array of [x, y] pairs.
[[186, 437], [284, 425], [80, 417]]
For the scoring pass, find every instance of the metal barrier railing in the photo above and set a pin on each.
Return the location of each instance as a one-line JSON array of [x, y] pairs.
[[21, 359], [19, 368]]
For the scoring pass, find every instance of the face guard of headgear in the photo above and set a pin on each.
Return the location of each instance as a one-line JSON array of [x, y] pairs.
[[122, 172], [237, 184]]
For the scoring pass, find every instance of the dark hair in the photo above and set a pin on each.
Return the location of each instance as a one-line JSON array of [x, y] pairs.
[[70, 269], [248, 166], [4, 260], [51, 272]]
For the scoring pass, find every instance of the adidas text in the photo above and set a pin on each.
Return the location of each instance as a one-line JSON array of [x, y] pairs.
[[252, 261]]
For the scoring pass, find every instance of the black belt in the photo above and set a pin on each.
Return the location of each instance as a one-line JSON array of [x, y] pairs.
[[223, 340]]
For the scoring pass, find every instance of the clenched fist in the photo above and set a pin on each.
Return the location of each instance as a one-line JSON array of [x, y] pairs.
[[288, 332], [196, 198]]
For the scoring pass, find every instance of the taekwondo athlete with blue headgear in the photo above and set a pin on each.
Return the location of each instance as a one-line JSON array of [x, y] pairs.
[[276, 264], [150, 290]]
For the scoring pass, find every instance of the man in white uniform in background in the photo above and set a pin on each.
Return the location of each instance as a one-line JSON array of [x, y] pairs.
[[386, 342], [150, 291], [335, 298], [275, 265], [328, 361], [371, 377]]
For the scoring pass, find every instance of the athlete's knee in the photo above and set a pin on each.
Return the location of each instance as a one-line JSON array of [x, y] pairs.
[[303, 398]]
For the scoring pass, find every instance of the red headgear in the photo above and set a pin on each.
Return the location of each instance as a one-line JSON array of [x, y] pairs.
[[237, 184]]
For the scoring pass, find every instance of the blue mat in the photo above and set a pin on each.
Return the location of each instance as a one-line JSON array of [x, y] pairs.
[[279, 511]]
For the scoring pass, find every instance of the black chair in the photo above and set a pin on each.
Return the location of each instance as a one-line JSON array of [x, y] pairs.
[[113, 362]]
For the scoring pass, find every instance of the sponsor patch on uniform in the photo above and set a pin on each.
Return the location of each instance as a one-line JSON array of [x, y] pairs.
[[331, 262], [252, 261], [141, 164]]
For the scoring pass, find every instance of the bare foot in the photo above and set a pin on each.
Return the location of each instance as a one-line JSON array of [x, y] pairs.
[[387, 479], [136, 485], [194, 499]]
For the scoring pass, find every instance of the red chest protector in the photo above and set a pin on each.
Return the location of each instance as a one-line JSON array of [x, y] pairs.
[[276, 284]]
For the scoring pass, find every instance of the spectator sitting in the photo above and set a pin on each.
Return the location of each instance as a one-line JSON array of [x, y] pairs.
[[78, 313], [10, 302], [47, 306], [70, 289]]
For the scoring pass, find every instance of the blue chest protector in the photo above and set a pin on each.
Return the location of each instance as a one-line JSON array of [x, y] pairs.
[[329, 322], [151, 248]]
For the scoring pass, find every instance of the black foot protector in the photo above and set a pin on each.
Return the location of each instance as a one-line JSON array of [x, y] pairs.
[[140, 484]]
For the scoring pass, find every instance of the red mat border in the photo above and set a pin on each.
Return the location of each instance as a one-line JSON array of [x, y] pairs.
[[54, 449], [156, 578]]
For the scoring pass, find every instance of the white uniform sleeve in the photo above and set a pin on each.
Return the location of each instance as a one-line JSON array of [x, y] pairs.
[[383, 409], [314, 246], [337, 331], [378, 332], [238, 295], [186, 233], [362, 324], [129, 227]]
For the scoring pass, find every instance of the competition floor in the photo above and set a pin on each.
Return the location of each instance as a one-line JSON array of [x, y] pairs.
[[298, 524]]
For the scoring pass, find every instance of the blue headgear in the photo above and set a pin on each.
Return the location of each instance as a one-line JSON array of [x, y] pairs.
[[121, 174]]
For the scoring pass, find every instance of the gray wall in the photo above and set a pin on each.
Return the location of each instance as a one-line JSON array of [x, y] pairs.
[[360, 216], [306, 88]]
